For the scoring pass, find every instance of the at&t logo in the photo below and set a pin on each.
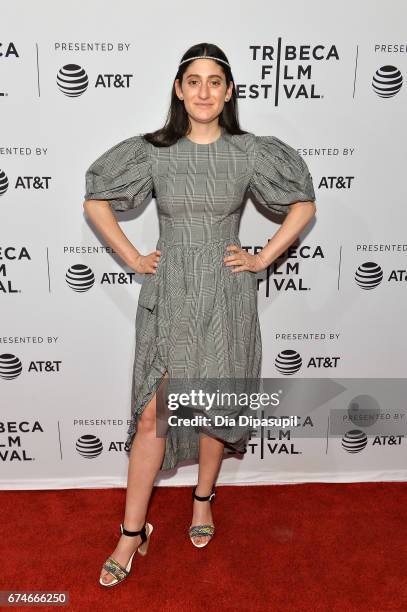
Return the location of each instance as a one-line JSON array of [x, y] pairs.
[[355, 440], [81, 278], [289, 362], [370, 274], [73, 81], [11, 367], [387, 81]]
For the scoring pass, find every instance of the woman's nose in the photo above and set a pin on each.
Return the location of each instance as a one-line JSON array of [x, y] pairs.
[[204, 91]]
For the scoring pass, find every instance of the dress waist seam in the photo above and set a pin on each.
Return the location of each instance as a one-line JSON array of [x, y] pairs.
[[198, 245]]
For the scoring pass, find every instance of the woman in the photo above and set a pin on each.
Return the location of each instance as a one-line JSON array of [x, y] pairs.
[[197, 309]]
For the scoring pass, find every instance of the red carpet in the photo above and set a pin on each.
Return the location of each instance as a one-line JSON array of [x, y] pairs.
[[333, 547]]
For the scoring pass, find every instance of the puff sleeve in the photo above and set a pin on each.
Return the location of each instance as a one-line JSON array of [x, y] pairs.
[[121, 175], [280, 175]]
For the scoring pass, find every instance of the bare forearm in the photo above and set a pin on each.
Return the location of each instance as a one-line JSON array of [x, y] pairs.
[[295, 221], [102, 217]]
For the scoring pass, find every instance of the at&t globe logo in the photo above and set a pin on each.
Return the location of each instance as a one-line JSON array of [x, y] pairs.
[[89, 446], [10, 366], [369, 275], [387, 81], [80, 277], [72, 80], [354, 441], [288, 362]]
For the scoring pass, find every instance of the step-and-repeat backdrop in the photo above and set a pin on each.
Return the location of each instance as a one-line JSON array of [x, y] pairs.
[[330, 81]]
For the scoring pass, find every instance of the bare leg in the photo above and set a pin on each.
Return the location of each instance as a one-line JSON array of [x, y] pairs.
[[210, 458], [146, 456]]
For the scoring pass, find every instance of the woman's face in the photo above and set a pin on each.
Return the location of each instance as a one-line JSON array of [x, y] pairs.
[[203, 90]]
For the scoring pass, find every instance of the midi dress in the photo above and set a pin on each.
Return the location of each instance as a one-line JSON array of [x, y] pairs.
[[195, 318]]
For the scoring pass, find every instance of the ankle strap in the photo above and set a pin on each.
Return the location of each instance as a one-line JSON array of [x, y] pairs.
[[141, 532], [200, 498]]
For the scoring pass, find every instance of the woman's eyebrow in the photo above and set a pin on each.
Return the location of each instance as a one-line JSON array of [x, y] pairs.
[[209, 75]]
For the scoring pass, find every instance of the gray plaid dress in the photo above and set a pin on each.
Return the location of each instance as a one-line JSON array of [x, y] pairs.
[[195, 317]]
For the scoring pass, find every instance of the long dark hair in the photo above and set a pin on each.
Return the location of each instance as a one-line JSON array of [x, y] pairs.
[[177, 123]]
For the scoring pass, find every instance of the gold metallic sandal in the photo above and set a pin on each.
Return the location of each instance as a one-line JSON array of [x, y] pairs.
[[202, 530], [115, 568]]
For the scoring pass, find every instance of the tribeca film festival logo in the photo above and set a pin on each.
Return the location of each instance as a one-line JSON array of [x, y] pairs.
[[269, 440], [11, 442], [284, 273], [286, 71]]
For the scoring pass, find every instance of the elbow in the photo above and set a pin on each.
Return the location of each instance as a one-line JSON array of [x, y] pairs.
[[313, 207], [309, 206], [86, 206]]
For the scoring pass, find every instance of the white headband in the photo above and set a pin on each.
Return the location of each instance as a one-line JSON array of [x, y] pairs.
[[204, 57]]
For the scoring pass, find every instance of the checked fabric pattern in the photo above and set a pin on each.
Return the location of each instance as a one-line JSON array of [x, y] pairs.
[[196, 318]]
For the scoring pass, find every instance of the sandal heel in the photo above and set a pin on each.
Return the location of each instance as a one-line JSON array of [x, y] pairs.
[[143, 548]]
